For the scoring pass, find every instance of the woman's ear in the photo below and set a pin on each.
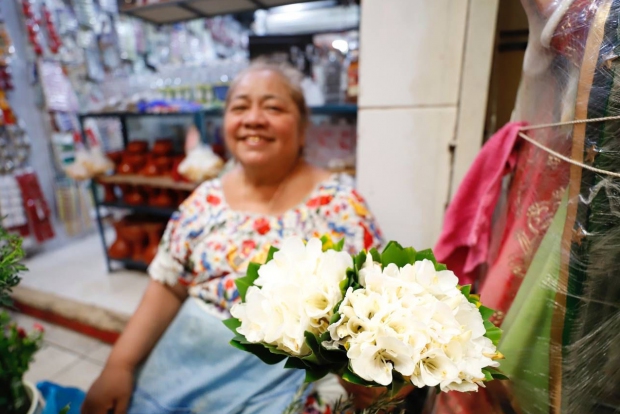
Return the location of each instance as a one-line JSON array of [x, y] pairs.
[[192, 139]]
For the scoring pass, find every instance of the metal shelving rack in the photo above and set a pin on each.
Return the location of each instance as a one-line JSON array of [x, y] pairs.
[[199, 118]]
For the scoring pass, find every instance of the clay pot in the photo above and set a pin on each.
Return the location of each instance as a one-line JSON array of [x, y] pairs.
[[131, 163], [150, 169], [163, 199], [134, 196], [154, 232], [138, 147], [136, 237], [149, 194], [163, 147], [120, 249], [109, 195], [164, 165], [115, 156]]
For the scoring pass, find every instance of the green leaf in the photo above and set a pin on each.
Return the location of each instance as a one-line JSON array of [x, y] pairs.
[[411, 254], [397, 384], [233, 324], [497, 374], [425, 254], [272, 250], [344, 286], [325, 240], [376, 256], [316, 374], [359, 260], [493, 332], [394, 253], [313, 343], [253, 270], [65, 409], [295, 363], [339, 246], [466, 290], [243, 283], [486, 312], [487, 375], [353, 378], [336, 316], [264, 354], [439, 267]]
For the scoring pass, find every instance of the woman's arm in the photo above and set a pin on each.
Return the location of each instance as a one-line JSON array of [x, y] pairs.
[[157, 309], [111, 392]]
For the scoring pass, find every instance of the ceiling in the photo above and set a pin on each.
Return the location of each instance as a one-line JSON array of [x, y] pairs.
[[173, 11]]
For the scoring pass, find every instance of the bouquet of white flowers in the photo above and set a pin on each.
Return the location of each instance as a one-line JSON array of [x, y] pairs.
[[377, 319]]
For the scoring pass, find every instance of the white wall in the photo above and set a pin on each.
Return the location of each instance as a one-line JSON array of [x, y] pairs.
[[412, 85]]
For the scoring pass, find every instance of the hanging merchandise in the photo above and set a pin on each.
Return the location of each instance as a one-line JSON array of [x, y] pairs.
[[12, 205], [59, 93], [22, 199], [33, 22], [108, 44], [53, 38], [6, 50], [109, 6], [86, 13], [37, 210]]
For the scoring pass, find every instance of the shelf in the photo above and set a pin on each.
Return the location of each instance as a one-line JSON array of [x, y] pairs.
[[142, 209], [174, 11], [329, 109], [334, 109], [160, 182], [119, 114]]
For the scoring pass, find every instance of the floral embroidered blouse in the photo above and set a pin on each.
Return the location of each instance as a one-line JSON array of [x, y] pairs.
[[207, 245]]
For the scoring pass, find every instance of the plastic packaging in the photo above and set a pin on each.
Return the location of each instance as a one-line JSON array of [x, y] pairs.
[[553, 274]]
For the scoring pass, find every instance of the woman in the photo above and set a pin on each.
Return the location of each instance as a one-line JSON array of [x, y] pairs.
[[176, 336]]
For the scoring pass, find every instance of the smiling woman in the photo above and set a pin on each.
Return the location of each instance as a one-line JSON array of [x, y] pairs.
[[176, 337]]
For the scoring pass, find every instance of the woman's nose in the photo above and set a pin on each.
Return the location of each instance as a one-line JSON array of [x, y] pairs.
[[254, 117]]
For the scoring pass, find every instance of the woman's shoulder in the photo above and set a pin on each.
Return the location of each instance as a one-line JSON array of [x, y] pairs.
[[338, 191], [207, 195], [339, 185]]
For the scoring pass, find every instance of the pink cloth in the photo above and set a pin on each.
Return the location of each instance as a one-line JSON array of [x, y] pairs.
[[464, 241]]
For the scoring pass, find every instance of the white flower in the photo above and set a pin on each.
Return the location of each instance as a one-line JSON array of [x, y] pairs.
[[459, 385], [443, 282], [433, 368], [468, 315], [368, 268], [376, 362], [294, 293]]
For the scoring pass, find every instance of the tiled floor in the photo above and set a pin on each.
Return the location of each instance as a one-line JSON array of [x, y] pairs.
[[67, 358], [78, 272]]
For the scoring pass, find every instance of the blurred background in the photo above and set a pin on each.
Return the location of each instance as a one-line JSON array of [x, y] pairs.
[[403, 94]]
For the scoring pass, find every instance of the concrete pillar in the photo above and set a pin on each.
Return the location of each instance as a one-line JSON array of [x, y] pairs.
[[424, 69]]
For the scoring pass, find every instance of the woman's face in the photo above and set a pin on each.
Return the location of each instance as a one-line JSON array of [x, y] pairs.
[[261, 122]]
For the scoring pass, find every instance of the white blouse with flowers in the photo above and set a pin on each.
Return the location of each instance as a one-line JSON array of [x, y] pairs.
[[207, 245]]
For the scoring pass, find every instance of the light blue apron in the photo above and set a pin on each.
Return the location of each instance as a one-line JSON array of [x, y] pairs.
[[193, 369]]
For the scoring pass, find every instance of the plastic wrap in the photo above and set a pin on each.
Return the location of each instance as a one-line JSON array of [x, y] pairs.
[[555, 271]]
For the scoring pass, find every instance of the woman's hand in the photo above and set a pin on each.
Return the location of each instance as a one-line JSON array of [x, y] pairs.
[[364, 397], [111, 392]]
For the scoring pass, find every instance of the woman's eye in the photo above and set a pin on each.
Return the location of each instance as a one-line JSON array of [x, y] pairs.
[[238, 108], [274, 108]]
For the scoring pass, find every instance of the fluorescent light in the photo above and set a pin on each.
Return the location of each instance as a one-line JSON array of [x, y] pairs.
[[297, 7]]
